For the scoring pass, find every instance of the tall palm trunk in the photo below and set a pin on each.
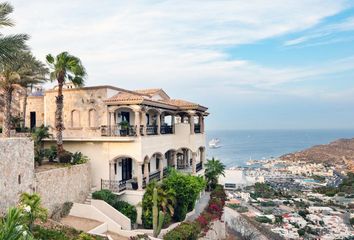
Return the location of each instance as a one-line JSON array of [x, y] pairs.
[[59, 125], [7, 113], [24, 109]]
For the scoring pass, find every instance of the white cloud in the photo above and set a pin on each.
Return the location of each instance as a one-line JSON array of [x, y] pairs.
[[173, 44], [327, 32]]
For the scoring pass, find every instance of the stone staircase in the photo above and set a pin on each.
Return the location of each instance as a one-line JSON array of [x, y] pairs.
[[89, 196]]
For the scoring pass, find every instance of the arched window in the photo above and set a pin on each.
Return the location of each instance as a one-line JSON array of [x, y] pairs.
[[75, 118], [92, 118]]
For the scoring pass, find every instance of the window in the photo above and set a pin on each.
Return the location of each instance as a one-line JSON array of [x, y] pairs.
[[75, 119], [92, 118], [157, 163]]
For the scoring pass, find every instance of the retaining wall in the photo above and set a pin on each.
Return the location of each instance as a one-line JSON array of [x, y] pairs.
[[66, 184]]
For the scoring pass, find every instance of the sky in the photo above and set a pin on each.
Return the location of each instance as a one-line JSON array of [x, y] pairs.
[[259, 64]]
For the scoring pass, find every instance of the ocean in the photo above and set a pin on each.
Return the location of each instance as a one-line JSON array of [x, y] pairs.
[[239, 146]]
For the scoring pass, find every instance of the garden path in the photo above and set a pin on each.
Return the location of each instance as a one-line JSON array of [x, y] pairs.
[[200, 206]]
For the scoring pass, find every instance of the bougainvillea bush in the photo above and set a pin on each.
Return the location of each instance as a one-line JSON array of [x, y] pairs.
[[197, 228]]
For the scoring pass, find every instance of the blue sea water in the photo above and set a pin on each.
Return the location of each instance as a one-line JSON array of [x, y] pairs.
[[238, 146]]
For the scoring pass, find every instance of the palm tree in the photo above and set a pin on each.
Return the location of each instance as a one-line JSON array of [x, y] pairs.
[[9, 81], [32, 72], [38, 135], [11, 43], [213, 169], [64, 67], [31, 204], [16, 75], [166, 200]]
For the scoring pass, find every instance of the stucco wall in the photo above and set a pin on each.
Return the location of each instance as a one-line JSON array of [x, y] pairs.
[[16, 170], [82, 100], [60, 185], [35, 104]]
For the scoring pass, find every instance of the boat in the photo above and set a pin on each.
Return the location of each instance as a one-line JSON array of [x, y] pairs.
[[214, 143]]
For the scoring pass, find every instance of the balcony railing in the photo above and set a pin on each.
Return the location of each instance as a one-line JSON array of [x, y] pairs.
[[166, 129], [114, 185], [155, 176], [165, 171], [199, 166], [114, 131], [151, 129], [197, 128]]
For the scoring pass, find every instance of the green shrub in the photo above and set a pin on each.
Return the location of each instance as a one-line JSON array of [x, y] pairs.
[[65, 157], [185, 231], [301, 232], [121, 206], [65, 210], [43, 233], [167, 221], [51, 153], [105, 195], [79, 158], [352, 221], [263, 219], [127, 209], [268, 204]]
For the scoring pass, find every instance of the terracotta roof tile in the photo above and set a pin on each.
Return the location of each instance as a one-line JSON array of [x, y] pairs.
[[125, 96], [149, 91], [179, 103]]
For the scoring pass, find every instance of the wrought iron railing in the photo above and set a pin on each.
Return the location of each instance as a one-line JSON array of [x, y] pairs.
[[115, 131], [155, 176], [199, 166], [165, 171], [196, 128], [114, 185], [151, 129], [166, 129]]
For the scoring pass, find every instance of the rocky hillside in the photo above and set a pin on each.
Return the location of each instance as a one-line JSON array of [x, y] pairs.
[[339, 153]]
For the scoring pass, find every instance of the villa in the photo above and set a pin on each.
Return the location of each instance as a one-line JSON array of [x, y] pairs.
[[130, 137]]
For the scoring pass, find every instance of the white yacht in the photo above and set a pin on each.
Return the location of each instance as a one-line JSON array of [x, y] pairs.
[[214, 143]]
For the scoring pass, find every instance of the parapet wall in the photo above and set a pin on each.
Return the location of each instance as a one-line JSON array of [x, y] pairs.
[[16, 170], [67, 184]]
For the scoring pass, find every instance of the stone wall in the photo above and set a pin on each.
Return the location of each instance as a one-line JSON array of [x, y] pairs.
[[67, 184], [16, 170], [217, 231], [238, 226]]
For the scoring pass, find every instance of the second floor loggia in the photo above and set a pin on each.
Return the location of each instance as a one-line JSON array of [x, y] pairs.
[[137, 120]]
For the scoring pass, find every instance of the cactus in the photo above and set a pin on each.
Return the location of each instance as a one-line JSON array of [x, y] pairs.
[[157, 217]]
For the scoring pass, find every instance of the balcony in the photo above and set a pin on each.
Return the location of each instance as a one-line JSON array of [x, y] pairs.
[[151, 130], [166, 129], [155, 176], [114, 131], [114, 185]]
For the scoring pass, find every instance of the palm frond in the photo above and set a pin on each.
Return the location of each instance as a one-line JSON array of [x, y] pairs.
[[10, 45], [5, 9]]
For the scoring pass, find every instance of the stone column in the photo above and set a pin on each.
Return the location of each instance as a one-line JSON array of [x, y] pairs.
[[137, 122], [158, 123], [146, 172], [202, 156], [139, 176], [194, 159], [174, 158], [173, 123], [202, 124], [111, 171], [191, 123], [161, 168], [143, 122]]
